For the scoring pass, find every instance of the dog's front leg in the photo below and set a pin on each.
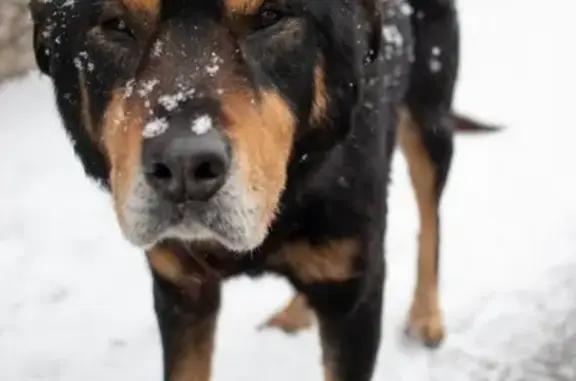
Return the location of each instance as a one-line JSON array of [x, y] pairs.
[[349, 332], [186, 309], [341, 281], [348, 308]]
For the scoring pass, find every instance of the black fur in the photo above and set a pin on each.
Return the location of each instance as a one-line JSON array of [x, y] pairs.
[[339, 170]]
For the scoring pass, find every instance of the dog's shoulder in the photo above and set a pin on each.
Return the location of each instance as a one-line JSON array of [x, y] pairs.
[[345, 195]]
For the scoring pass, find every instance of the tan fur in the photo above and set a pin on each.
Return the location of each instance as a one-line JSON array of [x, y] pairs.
[[150, 7], [195, 361], [167, 265], [122, 141], [245, 7], [261, 131], [320, 103], [425, 316], [196, 346], [293, 317], [331, 262], [328, 373]]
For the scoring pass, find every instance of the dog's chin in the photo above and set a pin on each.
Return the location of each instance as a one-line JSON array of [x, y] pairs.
[[230, 222], [222, 229]]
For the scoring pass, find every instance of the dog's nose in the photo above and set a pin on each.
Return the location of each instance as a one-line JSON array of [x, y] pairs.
[[183, 166]]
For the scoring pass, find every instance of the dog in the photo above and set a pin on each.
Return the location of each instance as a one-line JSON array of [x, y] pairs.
[[255, 136]]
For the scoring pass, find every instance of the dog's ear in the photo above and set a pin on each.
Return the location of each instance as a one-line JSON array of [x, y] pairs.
[[43, 27]]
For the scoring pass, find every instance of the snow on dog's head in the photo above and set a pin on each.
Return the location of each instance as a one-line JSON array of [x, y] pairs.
[[188, 117], [192, 163]]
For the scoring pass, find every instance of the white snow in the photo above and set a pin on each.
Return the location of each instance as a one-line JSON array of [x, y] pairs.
[[170, 102], [202, 125], [75, 298], [147, 87], [435, 65], [392, 35], [406, 9], [155, 127], [157, 48], [214, 66]]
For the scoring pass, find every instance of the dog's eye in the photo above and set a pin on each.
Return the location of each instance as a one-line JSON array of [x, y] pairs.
[[268, 17], [116, 30]]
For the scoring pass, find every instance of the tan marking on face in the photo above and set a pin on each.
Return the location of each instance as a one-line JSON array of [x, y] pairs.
[[330, 262], [245, 7], [320, 101], [194, 360], [295, 316], [150, 7], [425, 315], [261, 131], [122, 141]]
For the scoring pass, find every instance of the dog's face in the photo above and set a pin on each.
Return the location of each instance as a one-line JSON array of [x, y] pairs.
[[189, 110]]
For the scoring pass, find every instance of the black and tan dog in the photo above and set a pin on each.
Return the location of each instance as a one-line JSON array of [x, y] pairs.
[[252, 136]]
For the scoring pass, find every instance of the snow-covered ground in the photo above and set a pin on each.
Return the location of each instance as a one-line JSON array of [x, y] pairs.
[[75, 301]]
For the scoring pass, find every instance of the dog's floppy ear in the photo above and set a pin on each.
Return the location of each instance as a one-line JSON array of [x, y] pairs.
[[43, 26]]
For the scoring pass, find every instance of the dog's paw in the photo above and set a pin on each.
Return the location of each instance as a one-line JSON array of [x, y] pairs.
[[295, 317], [427, 330], [287, 324]]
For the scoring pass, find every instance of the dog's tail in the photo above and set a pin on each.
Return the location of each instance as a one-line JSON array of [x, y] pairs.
[[464, 124]]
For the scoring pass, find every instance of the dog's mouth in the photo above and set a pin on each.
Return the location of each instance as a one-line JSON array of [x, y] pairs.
[[211, 222], [231, 218]]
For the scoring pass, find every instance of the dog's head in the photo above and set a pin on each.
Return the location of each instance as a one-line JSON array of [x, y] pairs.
[[189, 110]]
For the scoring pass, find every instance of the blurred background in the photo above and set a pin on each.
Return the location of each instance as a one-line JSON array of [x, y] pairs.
[[16, 56], [75, 300]]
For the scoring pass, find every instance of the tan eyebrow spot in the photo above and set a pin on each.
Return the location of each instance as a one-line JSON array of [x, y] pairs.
[[245, 7], [151, 7]]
